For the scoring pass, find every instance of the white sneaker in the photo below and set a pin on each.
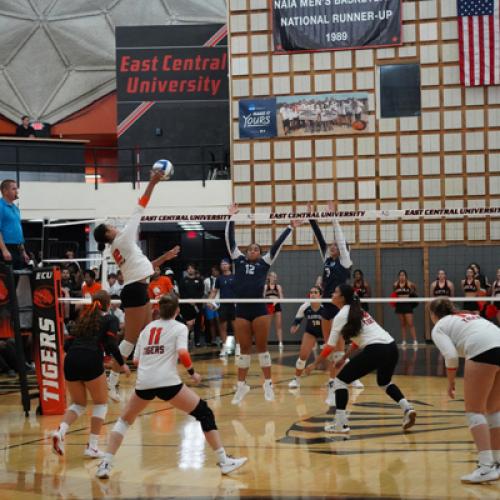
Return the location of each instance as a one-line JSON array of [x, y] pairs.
[[330, 399], [103, 470], [280, 347], [113, 393], [482, 474], [93, 452], [268, 391], [241, 392], [357, 384], [231, 464], [336, 427], [409, 418], [57, 443], [294, 384]]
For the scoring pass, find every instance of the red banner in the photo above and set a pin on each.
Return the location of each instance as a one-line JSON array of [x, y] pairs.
[[48, 340]]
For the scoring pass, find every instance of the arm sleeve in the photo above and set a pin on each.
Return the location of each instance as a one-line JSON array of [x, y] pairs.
[[270, 256], [232, 248], [300, 314], [445, 346], [338, 235], [109, 339], [132, 226], [338, 323], [319, 237]]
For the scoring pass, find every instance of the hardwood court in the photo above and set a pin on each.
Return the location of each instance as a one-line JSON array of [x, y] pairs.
[[290, 456]]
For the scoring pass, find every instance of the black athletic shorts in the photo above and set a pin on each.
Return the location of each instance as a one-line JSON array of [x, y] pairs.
[[329, 311], [251, 311], [490, 357], [227, 312], [134, 294], [164, 393], [83, 364]]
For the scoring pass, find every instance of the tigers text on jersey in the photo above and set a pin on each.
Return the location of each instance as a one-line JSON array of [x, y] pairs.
[[157, 352], [371, 332], [133, 264], [464, 336]]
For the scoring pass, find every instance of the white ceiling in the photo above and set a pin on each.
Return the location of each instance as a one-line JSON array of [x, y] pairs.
[[58, 56]]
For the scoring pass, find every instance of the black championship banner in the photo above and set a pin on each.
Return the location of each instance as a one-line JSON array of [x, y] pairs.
[[172, 74], [335, 24], [48, 340]]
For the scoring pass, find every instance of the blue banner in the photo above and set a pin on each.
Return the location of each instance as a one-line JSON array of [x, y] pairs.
[[258, 118]]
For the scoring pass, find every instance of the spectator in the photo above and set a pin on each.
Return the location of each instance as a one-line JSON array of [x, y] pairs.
[[114, 286], [158, 286], [114, 310], [73, 266], [25, 129], [171, 276], [483, 280], [212, 329], [191, 287], [404, 288], [470, 288], [90, 285], [120, 281], [361, 287], [11, 231]]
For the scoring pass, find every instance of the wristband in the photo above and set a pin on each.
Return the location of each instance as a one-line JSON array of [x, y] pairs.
[[451, 369], [191, 371]]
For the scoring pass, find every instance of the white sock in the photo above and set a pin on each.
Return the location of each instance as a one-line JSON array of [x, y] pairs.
[[63, 427], [108, 457], [496, 456], [268, 381], [403, 403], [221, 455], [341, 416], [241, 383], [93, 441], [113, 378], [486, 458]]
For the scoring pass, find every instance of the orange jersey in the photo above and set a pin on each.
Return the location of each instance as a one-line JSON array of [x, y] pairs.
[[88, 291], [160, 286]]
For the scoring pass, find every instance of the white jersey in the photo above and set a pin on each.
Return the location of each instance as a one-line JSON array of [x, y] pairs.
[[133, 264], [157, 352], [464, 335], [371, 332]]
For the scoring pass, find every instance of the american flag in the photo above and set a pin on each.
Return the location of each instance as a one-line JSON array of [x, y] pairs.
[[479, 36]]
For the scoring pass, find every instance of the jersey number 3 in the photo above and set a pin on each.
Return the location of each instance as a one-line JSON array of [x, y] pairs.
[[249, 269], [154, 336], [118, 257]]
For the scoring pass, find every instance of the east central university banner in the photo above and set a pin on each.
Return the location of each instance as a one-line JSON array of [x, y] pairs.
[[335, 24]]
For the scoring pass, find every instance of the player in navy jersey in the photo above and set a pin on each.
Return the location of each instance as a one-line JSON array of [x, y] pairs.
[[336, 271], [311, 311], [250, 271], [224, 286]]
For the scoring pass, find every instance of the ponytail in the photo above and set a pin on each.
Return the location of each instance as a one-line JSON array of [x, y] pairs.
[[353, 326]]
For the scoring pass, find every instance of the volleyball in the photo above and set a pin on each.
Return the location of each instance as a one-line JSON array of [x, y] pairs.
[[164, 166]]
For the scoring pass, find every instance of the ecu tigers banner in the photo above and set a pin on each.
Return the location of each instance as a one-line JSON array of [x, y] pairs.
[[335, 24]]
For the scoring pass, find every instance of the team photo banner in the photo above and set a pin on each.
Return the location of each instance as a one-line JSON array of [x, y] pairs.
[[172, 74], [335, 24]]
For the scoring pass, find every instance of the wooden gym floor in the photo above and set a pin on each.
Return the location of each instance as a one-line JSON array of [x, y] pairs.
[[290, 456]]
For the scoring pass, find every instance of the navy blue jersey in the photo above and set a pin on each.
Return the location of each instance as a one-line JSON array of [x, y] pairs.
[[313, 318], [250, 276], [335, 271], [225, 284]]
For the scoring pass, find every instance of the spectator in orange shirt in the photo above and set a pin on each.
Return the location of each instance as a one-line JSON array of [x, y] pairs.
[[158, 286], [90, 286]]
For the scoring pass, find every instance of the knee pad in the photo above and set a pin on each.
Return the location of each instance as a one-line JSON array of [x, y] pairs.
[[121, 427], [475, 419], [244, 361], [205, 416], [78, 409], [300, 364], [99, 411], [339, 384], [493, 420], [264, 359], [126, 348]]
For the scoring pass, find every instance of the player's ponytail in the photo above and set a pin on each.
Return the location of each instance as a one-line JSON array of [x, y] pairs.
[[353, 326], [89, 321]]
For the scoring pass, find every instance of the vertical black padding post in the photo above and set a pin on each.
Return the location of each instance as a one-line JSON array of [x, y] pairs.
[[14, 318]]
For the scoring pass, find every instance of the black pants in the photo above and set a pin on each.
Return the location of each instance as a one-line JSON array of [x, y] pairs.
[[380, 357]]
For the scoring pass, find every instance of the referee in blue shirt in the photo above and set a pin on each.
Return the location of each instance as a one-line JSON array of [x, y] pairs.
[[11, 231]]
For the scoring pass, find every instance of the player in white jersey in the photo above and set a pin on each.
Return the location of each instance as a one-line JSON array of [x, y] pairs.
[[136, 269], [467, 335], [159, 346], [379, 352]]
